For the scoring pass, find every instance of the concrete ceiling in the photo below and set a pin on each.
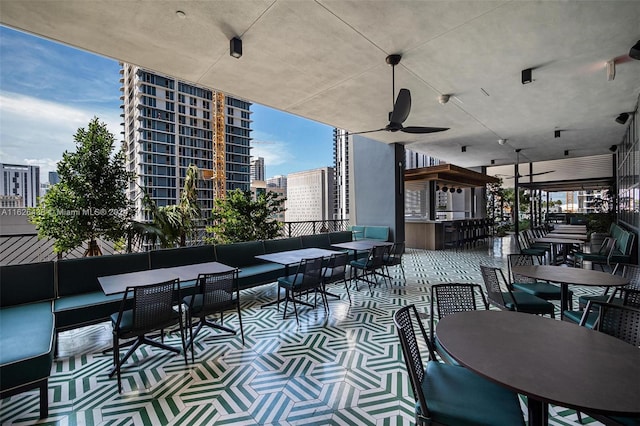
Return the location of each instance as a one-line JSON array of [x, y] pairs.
[[325, 60]]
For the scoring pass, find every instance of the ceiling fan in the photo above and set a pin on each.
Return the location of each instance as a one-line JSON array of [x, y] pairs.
[[401, 108], [525, 175]]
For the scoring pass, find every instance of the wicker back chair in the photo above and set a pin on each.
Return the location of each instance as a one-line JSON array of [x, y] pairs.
[[336, 271], [215, 294], [308, 277], [394, 258], [512, 300], [622, 322], [450, 394], [450, 298], [152, 310], [372, 266]]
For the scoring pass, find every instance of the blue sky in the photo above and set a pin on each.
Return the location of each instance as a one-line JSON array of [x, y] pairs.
[[49, 90]]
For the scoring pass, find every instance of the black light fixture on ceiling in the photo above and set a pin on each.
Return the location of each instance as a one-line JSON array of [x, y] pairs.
[[459, 190], [235, 47], [493, 161], [445, 189], [556, 134], [464, 149], [527, 76], [613, 148], [634, 52], [622, 118], [452, 190], [566, 152]]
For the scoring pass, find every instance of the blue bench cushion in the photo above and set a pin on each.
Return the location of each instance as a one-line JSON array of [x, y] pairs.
[[77, 276], [181, 256], [239, 254], [376, 233], [456, 395], [282, 244], [31, 282], [317, 241], [261, 273], [26, 337], [87, 308]]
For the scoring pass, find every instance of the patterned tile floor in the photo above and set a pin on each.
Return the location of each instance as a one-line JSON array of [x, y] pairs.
[[344, 368]]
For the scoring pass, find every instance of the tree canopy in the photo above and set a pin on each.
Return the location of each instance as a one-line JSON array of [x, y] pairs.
[[239, 218], [90, 201]]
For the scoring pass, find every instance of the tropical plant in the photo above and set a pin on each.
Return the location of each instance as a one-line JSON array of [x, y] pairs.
[[90, 201], [239, 218]]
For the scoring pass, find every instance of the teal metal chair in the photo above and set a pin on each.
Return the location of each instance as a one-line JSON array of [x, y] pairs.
[[541, 289], [512, 300], [450, 298], [450, 394], [308, 277]]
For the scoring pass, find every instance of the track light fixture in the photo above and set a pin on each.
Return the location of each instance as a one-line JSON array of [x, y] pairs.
[[622, 118], [235, 47], [527, 76]]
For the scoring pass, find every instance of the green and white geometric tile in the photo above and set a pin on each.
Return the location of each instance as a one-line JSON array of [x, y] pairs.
[[341, 368]]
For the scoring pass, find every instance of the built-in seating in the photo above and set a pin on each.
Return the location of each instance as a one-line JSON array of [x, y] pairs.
[[621, 254], [39, 300], [27, 329]]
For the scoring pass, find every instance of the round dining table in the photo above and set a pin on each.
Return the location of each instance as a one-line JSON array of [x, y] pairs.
[[565, 276], [547, 360]]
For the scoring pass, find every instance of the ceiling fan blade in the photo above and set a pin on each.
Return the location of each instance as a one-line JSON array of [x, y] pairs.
[[367, 131], [401, 108], [420, 129]]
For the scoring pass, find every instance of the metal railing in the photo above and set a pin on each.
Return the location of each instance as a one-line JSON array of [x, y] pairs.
[[27, 248]]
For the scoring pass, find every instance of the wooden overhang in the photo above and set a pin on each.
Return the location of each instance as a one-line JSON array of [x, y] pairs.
[[450, 174]]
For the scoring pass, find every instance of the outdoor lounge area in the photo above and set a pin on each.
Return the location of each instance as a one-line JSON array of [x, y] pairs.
[[345, 367]]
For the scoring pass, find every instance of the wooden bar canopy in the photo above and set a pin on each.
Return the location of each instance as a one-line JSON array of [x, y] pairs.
[[450, 174]]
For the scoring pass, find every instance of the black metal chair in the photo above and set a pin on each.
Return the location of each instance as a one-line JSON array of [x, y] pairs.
[[152, 310], [450, 394], [525, 248], [629, 296], [541, 289], [308, 277], [450, 298], [394, 258], [512, 300], [622, 322], [335, 272], [214, 295], [370, 267]]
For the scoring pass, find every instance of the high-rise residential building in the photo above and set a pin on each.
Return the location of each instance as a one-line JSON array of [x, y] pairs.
[[169, 125], [257, 169], [20, 185], [310, 195], [279, 181], [416, 160], [53, 178], [341, 169]]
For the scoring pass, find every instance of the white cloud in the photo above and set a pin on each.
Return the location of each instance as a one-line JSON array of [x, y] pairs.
[[274, 152], [35, 131]]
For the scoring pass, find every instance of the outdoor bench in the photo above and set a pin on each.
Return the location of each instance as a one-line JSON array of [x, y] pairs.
[[621, 251], [80, 300], [252, 272], [27, 329], [369, 232]]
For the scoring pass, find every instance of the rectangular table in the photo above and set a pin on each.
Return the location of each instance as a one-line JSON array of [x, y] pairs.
[[361, 245], [114, 284], [293, 257]]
